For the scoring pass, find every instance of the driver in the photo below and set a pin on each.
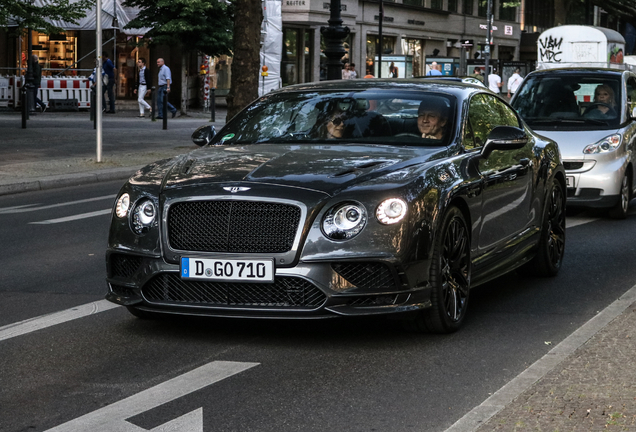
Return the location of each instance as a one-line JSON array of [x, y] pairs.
[[432, 116], [603, 94]]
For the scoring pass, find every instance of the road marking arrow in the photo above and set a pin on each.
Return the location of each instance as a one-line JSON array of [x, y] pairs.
[[112, 418]]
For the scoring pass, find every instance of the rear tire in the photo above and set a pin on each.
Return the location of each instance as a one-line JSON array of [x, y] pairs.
[[549, 257], [619, 211], [449, 278]]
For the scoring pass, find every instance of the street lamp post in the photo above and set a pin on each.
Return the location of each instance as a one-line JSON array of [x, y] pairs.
[[488, 36], [334, 35]]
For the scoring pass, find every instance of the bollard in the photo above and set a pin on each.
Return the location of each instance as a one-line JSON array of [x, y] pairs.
[[165, 109], [153, 103], [212, 105], [25, 108]]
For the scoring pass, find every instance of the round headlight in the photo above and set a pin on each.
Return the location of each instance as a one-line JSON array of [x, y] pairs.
[[144, 217], [391, 211], [123, 204], [344, 221]]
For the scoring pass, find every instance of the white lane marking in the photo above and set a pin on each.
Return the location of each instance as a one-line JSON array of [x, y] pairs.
[[22, 209], [72, 218], [572, 222], [526, 379], [112, 418], [44, 321]]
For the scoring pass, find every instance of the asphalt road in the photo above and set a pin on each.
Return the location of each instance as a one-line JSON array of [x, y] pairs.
[[353, 375]]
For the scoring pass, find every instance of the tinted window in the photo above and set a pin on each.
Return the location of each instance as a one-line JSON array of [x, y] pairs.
[[631, 95], [485, 113], [564, 100], [382, 117]]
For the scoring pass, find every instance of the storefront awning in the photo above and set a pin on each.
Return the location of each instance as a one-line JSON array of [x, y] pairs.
[[110, 10]]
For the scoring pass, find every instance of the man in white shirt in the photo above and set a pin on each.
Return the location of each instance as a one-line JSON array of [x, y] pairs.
[[513, 83], [352, 71], [494, 82]]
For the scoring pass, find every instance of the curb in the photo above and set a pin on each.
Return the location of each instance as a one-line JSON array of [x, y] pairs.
[[65, 180]]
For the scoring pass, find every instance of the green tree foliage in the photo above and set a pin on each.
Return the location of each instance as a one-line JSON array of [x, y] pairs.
[[28, 15], [203, 25]]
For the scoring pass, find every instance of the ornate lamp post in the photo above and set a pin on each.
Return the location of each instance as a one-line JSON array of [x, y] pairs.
[[334, 35]]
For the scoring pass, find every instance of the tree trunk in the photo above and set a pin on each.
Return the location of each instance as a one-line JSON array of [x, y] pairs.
[[184, 84], [246, 59]]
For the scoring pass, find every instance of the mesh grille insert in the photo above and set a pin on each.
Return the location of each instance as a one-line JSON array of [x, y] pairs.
[[366, 275], [572, 165], [124, 265], [284, 292], [233, 226]]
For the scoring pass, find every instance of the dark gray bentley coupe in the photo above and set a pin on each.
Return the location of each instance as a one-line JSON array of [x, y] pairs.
[[356, 197]]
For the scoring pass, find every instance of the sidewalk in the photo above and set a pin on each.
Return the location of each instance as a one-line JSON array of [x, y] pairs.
[[586, 383], [60, 148]]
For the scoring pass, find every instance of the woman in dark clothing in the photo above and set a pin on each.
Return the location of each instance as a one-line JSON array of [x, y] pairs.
[[37, 81]]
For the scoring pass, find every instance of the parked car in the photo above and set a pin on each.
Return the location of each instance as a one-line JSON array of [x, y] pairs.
[[343, 198], [590, 113]]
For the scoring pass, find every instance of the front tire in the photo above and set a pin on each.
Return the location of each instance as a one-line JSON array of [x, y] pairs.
[[619, 211], [449, 278], [551, 248]]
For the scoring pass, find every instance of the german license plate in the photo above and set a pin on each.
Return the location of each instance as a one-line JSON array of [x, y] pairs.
[[227, 270], [569, 182]]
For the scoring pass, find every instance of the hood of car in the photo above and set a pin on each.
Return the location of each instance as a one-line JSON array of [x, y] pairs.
[[572, 143], [325, 168]]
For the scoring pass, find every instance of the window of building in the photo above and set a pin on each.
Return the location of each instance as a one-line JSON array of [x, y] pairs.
[[482, 8], [507, 13], [414, 2], [467, 7], [452, 5], [437, 4]]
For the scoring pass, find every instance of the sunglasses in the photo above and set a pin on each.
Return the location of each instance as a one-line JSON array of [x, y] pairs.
[[337, 121]]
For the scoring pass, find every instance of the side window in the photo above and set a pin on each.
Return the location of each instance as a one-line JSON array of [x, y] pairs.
[[486, 112], [631, 95]]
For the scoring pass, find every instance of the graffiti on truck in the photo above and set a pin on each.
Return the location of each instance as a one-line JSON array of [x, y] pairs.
[[550, 49]]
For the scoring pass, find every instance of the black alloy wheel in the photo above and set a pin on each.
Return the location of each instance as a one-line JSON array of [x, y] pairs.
[[551, 247], [449, 278]]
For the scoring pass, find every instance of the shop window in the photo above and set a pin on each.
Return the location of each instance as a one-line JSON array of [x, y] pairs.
[[345, 59], [373, 43], [57, 53], [413, 49]]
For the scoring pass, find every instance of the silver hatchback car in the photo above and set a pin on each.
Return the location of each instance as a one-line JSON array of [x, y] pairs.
[[591, 114]]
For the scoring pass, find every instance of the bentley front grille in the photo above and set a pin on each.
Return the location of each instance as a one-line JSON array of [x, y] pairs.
[[366, 275], [284, 292], [233, 226]]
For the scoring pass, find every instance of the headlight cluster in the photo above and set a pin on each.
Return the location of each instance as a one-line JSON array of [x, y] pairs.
[[144, 215], [606, 145], [391, 211], [346, 220]]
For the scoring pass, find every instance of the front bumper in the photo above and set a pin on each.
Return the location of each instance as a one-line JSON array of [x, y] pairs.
[[594, 183], [307, 290]]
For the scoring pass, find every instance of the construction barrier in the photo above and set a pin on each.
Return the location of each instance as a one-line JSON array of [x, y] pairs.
[[51, 88]]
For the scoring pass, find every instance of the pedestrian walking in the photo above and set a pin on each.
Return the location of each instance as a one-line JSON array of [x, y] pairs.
[[165, 78], [352, 71], [514, 82], [109, 71], [435, 71], [141, 87], [477, 74], [494, 82], [37, 81], [345, 71]]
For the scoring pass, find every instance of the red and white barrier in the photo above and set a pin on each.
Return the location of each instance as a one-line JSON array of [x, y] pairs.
[[50, 88]]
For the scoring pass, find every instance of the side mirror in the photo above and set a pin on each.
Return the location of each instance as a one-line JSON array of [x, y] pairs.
[[203, 135], [504, 138]]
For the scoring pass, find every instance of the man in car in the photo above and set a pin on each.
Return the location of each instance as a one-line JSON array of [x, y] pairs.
[[432, 117]]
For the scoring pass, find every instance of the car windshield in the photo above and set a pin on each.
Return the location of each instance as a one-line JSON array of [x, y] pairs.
[[377, 117], [567, 101]]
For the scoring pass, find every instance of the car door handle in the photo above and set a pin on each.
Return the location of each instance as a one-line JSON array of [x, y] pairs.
[[524, 162]]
